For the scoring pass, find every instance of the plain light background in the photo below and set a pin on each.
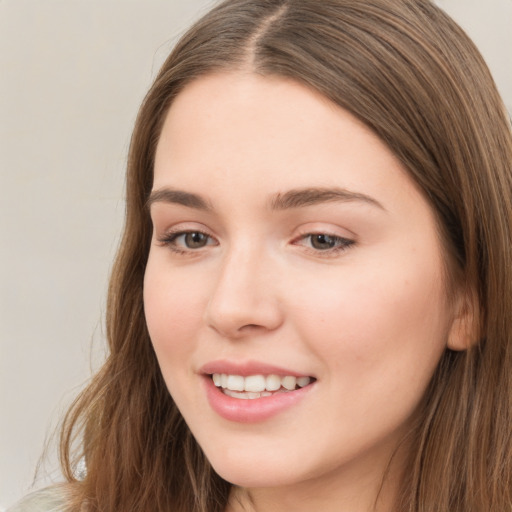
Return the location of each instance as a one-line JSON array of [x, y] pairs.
[[73, 73]]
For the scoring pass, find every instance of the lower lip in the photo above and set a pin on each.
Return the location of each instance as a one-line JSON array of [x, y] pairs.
[[251, 410]]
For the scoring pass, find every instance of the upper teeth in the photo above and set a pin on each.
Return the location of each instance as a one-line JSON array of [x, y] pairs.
[[258, 383]]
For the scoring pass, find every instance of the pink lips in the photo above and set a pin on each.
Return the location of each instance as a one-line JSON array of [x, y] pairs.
[[251, 410]]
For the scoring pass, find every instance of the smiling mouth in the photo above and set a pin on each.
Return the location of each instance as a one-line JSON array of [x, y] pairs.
[[258, 386]]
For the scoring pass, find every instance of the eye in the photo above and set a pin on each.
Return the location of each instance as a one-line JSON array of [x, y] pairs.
[[324, 242], [194, 239], [185, 241]]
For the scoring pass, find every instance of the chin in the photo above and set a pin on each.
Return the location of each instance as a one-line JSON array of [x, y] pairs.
[[255, 470], [255, 477]]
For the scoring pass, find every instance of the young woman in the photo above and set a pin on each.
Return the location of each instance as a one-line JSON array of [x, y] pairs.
[[311, 308]]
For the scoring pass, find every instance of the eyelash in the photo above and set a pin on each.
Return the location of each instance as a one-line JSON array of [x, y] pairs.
[[341, 243], [170, 238]]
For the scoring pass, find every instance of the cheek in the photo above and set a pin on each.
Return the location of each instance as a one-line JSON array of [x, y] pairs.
[[173, 313], [376, 319]]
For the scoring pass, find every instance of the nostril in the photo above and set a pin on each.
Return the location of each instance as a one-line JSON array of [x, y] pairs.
[[251, 326], [235, 315]]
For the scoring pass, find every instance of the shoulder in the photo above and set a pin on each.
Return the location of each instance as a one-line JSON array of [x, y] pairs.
[[51, 499]]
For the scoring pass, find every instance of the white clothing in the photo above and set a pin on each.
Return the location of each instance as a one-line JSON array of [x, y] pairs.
[[50, 499]]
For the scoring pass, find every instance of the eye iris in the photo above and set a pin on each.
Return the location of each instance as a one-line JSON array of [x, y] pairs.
[[195, 240], [323, 242]]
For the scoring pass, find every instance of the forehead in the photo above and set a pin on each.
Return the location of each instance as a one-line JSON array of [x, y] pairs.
[[235, 125]]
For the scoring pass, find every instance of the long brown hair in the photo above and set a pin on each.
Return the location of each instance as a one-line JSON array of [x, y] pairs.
[[410, 73]]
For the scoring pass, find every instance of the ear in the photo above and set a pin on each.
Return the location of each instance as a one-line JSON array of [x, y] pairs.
[[465, 329]]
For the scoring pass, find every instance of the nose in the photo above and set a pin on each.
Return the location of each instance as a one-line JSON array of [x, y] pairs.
[[244, 300]]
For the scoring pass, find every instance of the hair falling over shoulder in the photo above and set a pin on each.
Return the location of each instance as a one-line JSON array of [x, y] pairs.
[[409, 73]]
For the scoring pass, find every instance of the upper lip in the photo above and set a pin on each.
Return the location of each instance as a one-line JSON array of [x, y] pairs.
[[246, 368]]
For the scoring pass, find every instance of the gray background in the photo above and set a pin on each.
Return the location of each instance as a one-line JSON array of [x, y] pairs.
[[73, 73]]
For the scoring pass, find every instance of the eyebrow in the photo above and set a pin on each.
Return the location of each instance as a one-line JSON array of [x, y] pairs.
[[296, 198], [173, 196]]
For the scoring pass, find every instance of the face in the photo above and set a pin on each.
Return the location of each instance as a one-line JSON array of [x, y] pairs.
[[294, 292]]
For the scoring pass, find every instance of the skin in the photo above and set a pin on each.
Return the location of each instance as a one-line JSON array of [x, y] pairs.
[[369, 318]]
